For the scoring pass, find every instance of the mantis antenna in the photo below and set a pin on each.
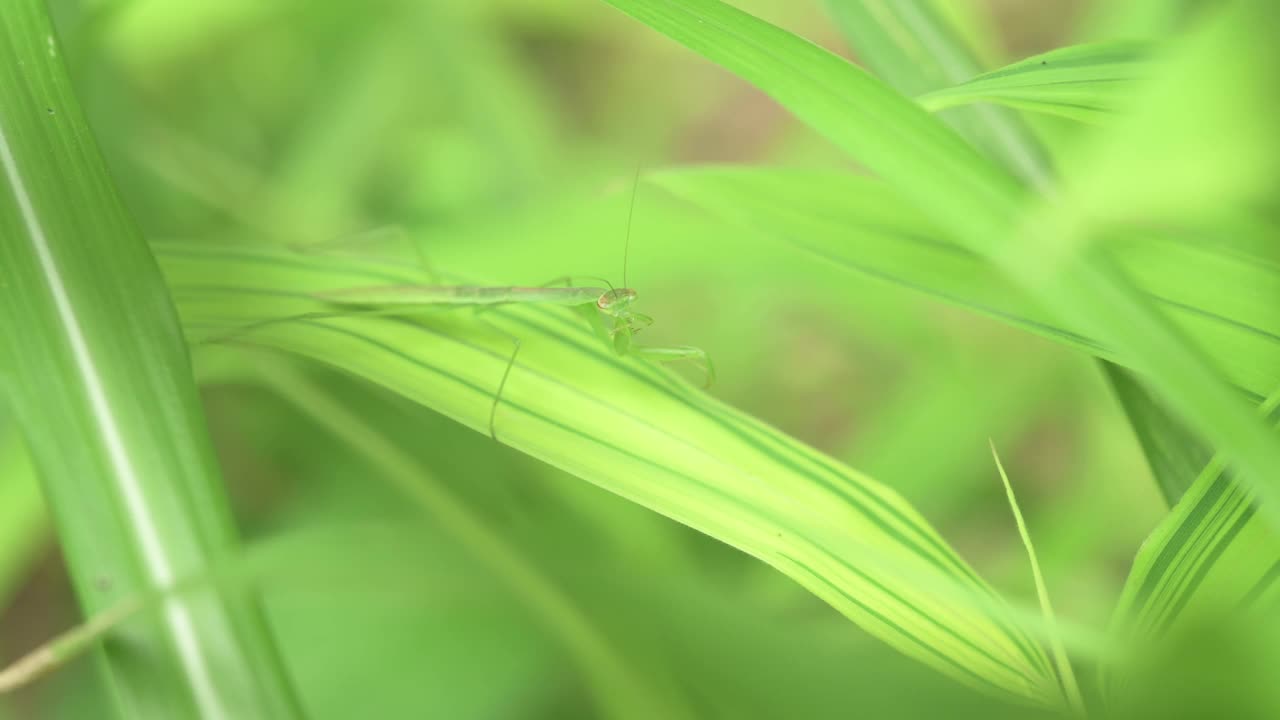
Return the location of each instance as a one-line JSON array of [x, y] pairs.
[[631, 211]]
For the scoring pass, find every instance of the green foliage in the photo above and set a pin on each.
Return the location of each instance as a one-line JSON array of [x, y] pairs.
[[889, 263], [97, 377]]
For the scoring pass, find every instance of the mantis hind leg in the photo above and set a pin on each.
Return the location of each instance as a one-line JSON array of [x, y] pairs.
[[506, 373], [502, 384], [695, 355]]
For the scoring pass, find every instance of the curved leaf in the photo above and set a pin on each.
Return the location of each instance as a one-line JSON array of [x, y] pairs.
[[1081, 82], [641, 432], [1221, 297]]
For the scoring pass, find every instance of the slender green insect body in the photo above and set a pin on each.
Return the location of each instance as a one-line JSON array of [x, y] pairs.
[[426, 295], [607, 311]]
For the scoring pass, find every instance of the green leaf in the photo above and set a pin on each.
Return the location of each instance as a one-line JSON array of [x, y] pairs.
[[24, 524], [1060, 659], [1213, 554], [1219, 295], [97, 376], [1176, 455], [641, 432], [916, 51], [1082, 82]]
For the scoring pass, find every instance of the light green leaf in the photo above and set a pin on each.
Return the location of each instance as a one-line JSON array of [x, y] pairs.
[[641, 432], [99, 381], [1199, 141], [1060, 657], [1221, 296], [620, 689], [1081, 82]]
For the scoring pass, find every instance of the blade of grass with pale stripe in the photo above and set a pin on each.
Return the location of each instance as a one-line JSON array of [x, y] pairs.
[[1060, 659], [1082, 82], [641, 432], [99, 380]]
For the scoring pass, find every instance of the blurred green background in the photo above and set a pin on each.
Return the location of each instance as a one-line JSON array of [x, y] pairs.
[[500, 138]]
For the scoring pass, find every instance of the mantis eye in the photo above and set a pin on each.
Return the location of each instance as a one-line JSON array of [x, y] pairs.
[[616, 301]]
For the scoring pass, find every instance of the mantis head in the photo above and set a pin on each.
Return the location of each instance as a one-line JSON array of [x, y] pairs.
[[615, 303], [622, 322]]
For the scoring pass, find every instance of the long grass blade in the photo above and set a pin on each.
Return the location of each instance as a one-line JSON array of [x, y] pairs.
[[1060, 658], [97, 377], [642, 433]]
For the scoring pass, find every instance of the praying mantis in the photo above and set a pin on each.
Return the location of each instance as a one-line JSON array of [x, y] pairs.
[[607, 310]]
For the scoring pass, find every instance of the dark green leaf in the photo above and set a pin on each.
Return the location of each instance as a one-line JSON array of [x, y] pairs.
[[99, 380]]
